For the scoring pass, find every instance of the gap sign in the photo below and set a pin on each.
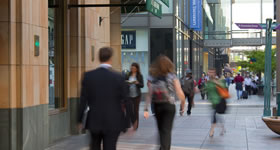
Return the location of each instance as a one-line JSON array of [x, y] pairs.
[[128, 39], [154, 7]]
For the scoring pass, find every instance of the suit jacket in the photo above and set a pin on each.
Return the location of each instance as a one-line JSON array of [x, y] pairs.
[[103, 90]]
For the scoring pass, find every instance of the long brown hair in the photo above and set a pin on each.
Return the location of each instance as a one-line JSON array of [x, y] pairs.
[[161, 67], [136, 65]]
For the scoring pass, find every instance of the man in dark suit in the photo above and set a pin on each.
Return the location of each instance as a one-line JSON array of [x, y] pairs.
[[103, 91]]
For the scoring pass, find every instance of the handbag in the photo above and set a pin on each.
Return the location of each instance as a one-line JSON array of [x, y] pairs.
[[223, 92], [221, 107]]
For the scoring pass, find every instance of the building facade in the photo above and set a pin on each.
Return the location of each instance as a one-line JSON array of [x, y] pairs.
[[189, 40], [169, 35], [46, 46], [217, 25], [149, 31]]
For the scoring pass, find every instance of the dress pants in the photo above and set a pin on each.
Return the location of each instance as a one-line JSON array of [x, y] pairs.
[[190, 102], [136, 103], [165, 113], [109, 139], [248, 89]]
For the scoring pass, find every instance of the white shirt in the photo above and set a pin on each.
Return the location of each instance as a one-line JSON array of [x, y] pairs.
[[256, 78], [207, 78], [247, 81], [105, 66], [253, 85]]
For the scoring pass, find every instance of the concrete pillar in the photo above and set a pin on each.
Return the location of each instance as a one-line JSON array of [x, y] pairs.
[[278, 56], [115, 34], [86, 37], [23, 76]]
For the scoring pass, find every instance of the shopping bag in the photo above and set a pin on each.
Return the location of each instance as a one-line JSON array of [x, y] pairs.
[[223, 92]]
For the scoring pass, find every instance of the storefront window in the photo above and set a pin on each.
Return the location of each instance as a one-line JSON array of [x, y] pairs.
[[217, 19], [186, 53], [179, 54], [56, 55]]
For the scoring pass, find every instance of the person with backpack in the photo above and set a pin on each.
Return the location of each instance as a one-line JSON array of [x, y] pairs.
[[163, 87], [239, 85], [217, 100], [188, 86]]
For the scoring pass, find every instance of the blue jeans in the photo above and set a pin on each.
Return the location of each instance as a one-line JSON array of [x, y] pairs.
[[239, 93]]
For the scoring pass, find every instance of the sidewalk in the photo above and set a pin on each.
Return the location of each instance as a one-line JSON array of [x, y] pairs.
[[245, 131], [253, 100]]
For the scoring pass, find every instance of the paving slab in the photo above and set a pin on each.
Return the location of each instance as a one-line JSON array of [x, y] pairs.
[[245, 130]]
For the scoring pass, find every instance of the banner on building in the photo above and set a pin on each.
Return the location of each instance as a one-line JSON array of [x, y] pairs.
[[128, 39], [196, 15], [275, 9]]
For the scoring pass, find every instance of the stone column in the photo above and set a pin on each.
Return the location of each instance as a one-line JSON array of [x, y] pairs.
[[278, 56], [115, 34], [23, 76], [86, 37]]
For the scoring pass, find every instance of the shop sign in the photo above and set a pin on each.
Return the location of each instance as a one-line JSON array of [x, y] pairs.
[[128, 39], [274, 26], [154, 7], [166, 2], [196, 15]]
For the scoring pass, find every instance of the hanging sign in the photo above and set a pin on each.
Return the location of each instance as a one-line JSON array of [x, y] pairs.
[[196, 14], [154, 7], [274, 26], [166, 2]]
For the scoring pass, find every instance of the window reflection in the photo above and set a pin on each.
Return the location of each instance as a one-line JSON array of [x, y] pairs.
[[56, 59]]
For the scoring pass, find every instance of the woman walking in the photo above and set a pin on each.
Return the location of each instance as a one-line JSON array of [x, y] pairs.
[[163, 86], [135, 81], [201, 85], [218, 103]]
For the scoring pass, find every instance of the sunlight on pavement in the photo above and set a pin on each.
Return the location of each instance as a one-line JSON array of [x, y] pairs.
[[130, 146]]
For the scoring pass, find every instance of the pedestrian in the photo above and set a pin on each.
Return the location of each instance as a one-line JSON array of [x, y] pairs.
[[218, 103], [188, 86], [228, 79], [248, 83], [254, 87], [239, 85], [201, 85], [207, 77], [103, 91], [163, 87], [135, 81], [256, 78]]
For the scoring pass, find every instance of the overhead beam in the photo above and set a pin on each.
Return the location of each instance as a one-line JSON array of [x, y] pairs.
[[103, 5]]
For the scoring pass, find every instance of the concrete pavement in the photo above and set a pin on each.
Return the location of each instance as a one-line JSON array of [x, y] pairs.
[[253, 100], [244, 130]]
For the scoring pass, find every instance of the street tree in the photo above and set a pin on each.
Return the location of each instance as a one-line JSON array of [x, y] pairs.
[[256, 61]]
